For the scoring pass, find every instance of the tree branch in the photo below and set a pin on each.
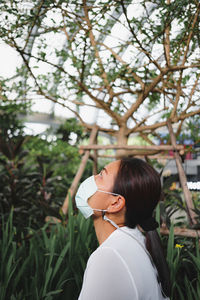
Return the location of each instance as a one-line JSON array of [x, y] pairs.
[[178, 94], [166, 42], [164, 123], [135, 37], [36, 18], [190, 35], [143, 96], [102, 104], [94, 45], [130, 71]]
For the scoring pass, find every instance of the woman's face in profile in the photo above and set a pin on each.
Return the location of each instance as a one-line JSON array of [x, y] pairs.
[[104, 181]]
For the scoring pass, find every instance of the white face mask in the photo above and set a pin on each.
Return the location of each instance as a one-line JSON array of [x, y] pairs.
[[88, 188]]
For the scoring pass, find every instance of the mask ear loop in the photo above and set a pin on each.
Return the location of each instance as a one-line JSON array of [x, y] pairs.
[[108, 220], [103, 213]]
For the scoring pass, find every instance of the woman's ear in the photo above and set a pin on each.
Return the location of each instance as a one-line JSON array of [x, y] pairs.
[[117, 204]]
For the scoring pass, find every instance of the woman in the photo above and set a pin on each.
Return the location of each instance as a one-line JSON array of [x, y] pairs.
[[127, 265]]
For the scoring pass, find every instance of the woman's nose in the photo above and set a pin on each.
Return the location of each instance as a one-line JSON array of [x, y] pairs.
[[96, 178]]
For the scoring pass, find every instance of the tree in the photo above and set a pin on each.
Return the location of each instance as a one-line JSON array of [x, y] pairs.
[[35, 172], [139, 79]]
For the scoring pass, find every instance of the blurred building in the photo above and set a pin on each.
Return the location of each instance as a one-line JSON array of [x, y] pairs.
[[191, 165]]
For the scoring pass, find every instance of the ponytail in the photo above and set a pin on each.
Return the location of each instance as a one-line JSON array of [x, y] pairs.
[[154, 246]]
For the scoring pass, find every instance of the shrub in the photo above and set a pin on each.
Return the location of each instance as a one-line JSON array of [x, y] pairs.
[[47, 265], [35, 172]]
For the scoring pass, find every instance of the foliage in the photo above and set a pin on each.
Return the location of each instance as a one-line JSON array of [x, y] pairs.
[[10, 124], [139, 79], [190, 136], [173, 203], [30, 190], [60, 154], [35, 173], [196, 200], [173, 209], [183, 260], [69, 128], [63, 250], [47, 265]]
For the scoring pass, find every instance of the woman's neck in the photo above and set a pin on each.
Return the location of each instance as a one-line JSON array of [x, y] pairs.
[[103, 229]]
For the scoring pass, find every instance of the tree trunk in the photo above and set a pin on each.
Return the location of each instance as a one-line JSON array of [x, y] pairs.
[[122, 139]]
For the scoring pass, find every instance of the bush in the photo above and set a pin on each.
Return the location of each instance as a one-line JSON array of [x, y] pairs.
[[50, 263], [47, 265], [183, 257], [35, 172]]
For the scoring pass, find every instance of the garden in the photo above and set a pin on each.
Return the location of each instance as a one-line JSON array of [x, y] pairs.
[[130, 88]]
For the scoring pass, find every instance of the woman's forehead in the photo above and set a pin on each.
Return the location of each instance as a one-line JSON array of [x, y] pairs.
[[113, 167]]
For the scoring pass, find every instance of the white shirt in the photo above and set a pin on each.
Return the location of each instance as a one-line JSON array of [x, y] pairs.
[[120, 269]]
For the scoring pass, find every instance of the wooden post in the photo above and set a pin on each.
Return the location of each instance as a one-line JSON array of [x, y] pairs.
[[75, 182], [95, 159], [180, 231], [133, 147], [182, 177]]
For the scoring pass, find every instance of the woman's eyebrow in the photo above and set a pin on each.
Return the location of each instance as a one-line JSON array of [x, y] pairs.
[[104, 169]]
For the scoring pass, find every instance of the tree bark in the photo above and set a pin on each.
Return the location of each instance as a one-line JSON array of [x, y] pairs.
[[122, 140]]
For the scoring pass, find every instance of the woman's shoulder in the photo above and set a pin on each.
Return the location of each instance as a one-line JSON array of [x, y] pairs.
[[123, 237], [121, 243], [105, 269], [122, 256]]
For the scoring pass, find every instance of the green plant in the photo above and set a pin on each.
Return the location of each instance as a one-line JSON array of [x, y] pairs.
[[183, 261], [182, 255], [10, 124], [35, 172], [30, 190], [173, 206], [47, 265]]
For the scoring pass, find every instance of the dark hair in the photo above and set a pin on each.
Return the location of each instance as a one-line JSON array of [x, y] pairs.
[[139, 183]]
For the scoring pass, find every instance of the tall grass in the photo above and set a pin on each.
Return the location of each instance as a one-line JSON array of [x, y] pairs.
[[183, 257], [50, 263]]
